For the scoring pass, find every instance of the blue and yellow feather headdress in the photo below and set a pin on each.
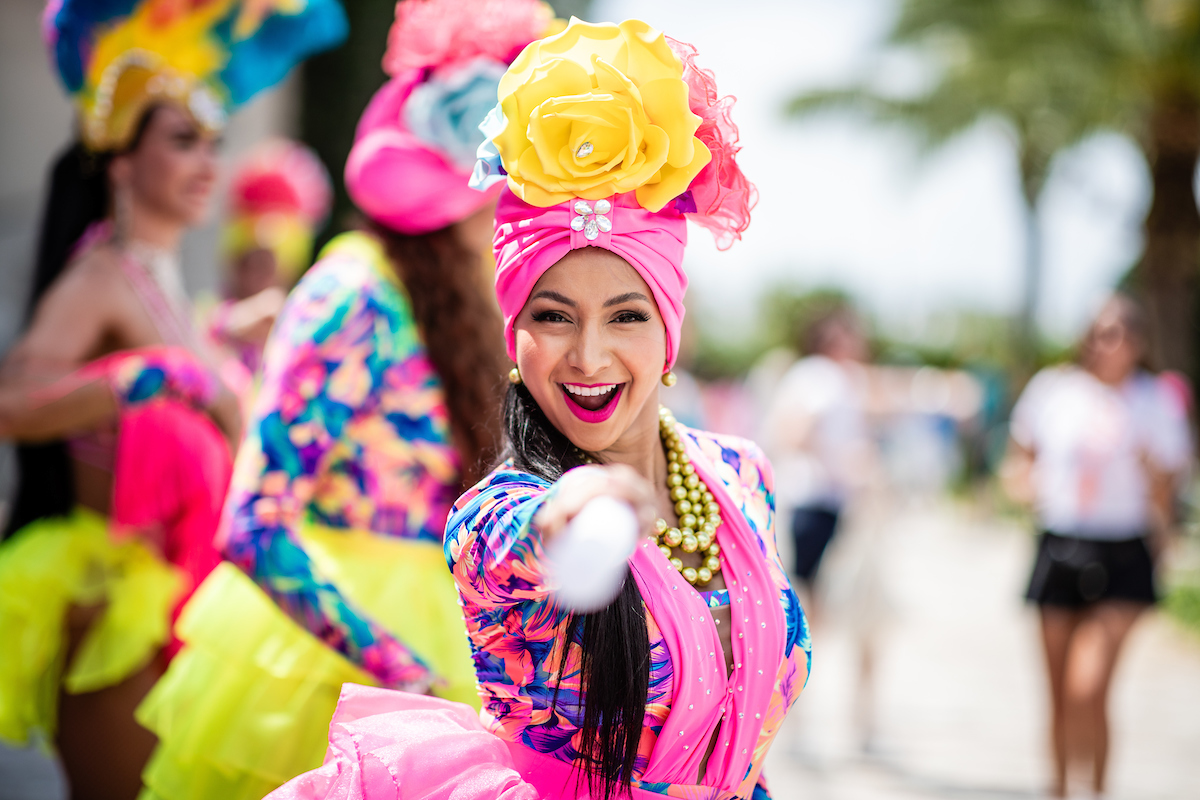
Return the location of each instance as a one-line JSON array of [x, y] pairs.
[[117, 57]]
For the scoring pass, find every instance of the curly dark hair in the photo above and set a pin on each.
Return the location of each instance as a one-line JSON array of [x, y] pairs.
[[462, 332]]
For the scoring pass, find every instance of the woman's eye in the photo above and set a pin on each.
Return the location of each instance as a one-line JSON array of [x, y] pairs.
[[549, 316], [631, 316]]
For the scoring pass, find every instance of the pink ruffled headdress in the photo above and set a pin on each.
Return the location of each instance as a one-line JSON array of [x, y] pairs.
[[279, 196], [610, 136], [415, 142]]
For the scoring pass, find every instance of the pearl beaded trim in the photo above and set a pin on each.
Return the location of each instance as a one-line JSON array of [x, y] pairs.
[[699, 514]]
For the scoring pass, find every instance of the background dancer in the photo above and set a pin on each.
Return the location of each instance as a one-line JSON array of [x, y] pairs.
[[279, 198], [378, 404], [679, 685], [1098, 449], [152, 85]]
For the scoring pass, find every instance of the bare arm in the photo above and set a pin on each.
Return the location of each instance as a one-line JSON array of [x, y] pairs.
[[25, 417], [70, 324], [97, 393], [89, 310], [1016, 474], [1163, 485]]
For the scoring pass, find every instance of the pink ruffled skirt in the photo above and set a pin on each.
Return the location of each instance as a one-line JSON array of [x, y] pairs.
[[388, 745]]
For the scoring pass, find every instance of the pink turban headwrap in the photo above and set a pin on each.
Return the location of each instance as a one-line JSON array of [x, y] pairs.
[[530, 240], [413, 149], [399, 180]]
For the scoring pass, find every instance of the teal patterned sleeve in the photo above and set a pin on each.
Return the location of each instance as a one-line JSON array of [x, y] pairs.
[[150, 373]]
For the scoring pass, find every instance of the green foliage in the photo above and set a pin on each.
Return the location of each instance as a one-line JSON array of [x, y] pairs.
[[1183, 603], [789, 310], [785, 312], [1054, 70], [950, 340]]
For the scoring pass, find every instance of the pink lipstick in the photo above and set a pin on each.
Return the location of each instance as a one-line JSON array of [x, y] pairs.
[[600, 414]]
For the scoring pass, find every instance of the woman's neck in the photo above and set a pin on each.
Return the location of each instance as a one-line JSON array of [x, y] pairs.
[[640, 447], [1111, 377], [147, 226]]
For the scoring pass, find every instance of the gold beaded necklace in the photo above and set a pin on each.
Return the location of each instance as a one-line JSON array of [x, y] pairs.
[[699, 514]]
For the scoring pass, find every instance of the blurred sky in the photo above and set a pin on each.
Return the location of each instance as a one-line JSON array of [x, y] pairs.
[[847, 203]]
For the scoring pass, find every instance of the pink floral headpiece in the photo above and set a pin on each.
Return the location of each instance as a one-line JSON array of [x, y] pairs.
[[279, 197], [416, 141], [610, 136]]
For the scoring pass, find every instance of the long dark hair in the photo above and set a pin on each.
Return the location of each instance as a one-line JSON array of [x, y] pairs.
[[79, 196], [614, 642], [462, 332]]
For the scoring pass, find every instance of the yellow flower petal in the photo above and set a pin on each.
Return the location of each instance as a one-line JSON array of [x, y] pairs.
[[673, 181], [663, 100], [619, 90]]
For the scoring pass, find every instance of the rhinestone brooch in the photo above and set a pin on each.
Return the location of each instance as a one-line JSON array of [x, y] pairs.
[[591, 219]]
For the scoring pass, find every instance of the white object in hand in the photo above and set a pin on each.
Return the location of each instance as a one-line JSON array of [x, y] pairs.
[[587, 560]]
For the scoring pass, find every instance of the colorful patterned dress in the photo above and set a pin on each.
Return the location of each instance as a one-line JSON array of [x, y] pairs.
[[333, 528], [523, 744], [516, 631]]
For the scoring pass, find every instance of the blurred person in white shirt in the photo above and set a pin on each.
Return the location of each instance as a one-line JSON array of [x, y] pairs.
[[817, 435], [1098, 450]]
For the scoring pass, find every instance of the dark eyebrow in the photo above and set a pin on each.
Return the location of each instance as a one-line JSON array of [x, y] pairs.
[[555, 296], [625, 298]]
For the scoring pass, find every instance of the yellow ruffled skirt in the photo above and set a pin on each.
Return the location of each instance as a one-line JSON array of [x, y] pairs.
[[45, 568], [245, 706]]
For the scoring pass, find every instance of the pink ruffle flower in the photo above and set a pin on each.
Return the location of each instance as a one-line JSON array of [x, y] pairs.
[[282, 177], [722, 194], [447, 33]]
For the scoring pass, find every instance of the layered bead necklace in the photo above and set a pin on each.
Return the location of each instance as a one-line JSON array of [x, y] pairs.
[[699, 514]]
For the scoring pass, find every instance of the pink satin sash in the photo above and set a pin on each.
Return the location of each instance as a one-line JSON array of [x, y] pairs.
[[705, 695]]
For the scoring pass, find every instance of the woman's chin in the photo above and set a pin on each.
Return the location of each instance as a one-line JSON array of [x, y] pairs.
[[193, 211], [587, 431]]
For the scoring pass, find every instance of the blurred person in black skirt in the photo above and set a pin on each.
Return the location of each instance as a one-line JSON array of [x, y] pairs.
[[1098, 449]]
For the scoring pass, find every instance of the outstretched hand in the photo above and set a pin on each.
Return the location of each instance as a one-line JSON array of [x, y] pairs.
[[583, 484]]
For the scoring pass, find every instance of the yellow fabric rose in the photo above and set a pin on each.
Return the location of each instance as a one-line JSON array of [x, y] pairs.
[[598, 110]]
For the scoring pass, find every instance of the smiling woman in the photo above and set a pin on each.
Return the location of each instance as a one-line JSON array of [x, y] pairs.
[[678, 686], [591, 346]]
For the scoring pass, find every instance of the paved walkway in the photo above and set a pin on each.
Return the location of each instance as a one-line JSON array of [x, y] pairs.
[[961, 700]]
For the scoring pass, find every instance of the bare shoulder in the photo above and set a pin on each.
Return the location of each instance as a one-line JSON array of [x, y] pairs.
[[77, 311], [98, 266], [87, 279]]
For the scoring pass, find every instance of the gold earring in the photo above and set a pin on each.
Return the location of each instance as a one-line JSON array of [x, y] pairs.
[[514, 376], [668, 378]]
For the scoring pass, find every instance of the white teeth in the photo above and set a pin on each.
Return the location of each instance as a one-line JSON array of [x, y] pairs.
[[589, 391]]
